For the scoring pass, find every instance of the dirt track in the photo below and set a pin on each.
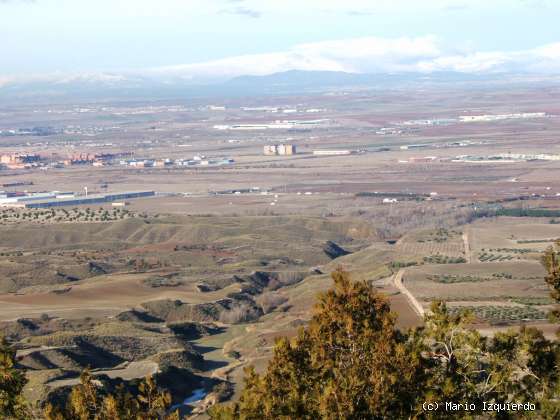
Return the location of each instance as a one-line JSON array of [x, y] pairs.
[[397, 280], [468, 256]]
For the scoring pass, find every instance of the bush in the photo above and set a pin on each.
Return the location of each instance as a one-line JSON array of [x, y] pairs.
[[238, 314], [270, 301]]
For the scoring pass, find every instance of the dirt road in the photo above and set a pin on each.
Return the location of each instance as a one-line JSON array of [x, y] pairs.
[[468, 256], [398, 281]]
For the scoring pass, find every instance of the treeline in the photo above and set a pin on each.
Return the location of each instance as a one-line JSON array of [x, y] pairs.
[[513, 212], [519, 212], [404, 195], [351, 362]]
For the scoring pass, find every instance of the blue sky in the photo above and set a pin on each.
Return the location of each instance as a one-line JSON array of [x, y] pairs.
[[193, 37]]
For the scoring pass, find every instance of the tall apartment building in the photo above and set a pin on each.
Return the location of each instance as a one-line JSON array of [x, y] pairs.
[[279, 149]]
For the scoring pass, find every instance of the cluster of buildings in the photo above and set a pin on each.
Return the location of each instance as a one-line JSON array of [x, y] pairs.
[[462, 143], [95, 159], [498, 158], [89, 131], [38, 200], [167, 162], [146, 163], [516, 116], [463, 119], [275, 110], [507, 158], [28, 161], [19, 160], [279, 150], [523, 156], [436, 121], [276, 125], [458, 143], [414, 146], [386, 131], [239, 191], [35, 131]]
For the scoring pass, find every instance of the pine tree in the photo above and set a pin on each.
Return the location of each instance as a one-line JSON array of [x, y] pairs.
[[456, 354], [551, 263], [120, 405], [349, 363], [12, 381], [85, 402], [153, 403]]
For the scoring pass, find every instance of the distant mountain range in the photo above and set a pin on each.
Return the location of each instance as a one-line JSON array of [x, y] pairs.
[[296, 80], [125, 87]]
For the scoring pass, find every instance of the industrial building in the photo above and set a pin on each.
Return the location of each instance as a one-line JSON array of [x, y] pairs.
[[6, 199], [331, 152], [414, 146], [279, 124], [279, 149], [486, 118], [46, 200], [161, 163], [425, 159], [507, 158]]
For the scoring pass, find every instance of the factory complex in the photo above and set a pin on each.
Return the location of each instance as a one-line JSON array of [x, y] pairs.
[[57, 199], [276, 125], [508, 158]]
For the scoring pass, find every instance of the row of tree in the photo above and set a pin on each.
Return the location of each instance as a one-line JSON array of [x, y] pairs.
[[351, 362]]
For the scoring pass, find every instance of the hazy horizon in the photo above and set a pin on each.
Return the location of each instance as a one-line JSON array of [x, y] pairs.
[[57, 40]]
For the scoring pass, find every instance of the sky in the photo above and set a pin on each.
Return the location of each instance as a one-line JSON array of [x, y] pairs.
[[219, 38]]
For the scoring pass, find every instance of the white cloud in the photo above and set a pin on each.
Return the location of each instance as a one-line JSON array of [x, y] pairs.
[[468, 63], [376, 55], [360, 55], [242, 11]]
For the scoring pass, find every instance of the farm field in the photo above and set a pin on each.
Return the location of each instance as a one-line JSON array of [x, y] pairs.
[[442, 242], [497, 290], [511, 238]]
